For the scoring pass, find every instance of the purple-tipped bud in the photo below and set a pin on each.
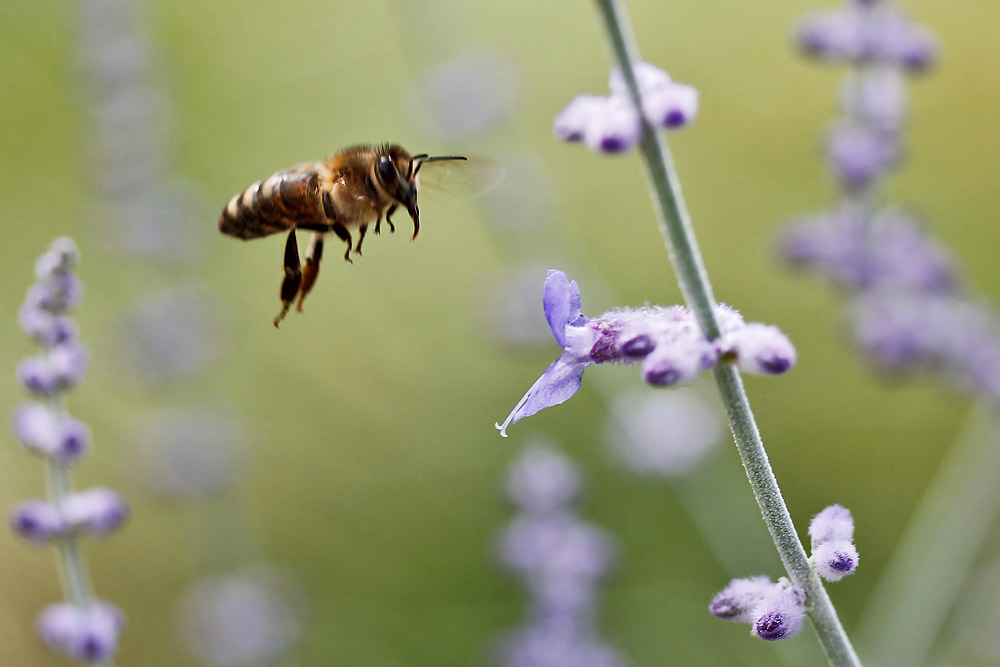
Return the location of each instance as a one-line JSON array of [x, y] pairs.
[[543, 481], [89, 635], [638, 347], [835, 560], [738, 600], [571, 123], [613, 127], [36, 427], [556, 545], [36, 375], [73, 442], [780, 614], [37, 521], [98, 511], [833, 524], [679, 361], [68, 362], [61, 257], [763, 349], [671, 107], [858, 154]]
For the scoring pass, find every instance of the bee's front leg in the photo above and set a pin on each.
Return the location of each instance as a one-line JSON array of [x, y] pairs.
[[362, 230], [314, 253], [292, 281], [345, 236]]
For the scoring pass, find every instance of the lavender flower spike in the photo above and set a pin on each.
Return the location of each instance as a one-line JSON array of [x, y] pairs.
[[667, 342]]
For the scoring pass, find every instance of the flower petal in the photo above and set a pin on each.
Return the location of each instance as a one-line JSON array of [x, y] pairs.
[[557, 301], [559, 381]]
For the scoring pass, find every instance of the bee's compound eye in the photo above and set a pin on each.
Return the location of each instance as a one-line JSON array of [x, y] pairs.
[[386, 172]]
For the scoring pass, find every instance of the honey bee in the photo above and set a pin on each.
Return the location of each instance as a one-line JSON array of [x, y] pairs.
[[347, 192]]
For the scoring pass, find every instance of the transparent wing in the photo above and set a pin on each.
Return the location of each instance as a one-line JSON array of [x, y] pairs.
[[462, 178]]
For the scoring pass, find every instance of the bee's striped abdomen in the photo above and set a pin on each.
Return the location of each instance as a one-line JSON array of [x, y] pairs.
[[285, 200]]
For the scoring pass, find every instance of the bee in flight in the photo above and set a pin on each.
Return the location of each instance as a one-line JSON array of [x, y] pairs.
[[346, 193]]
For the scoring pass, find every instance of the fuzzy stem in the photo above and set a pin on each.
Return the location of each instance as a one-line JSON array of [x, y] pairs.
[[675, 225]]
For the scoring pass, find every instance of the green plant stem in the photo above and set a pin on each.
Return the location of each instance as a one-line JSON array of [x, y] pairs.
[[675, 225]]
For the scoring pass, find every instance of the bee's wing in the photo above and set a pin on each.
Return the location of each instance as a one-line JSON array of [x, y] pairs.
[[462, 178]]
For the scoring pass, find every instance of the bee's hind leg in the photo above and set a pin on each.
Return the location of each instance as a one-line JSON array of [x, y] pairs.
[[314, 253], [292, 281]]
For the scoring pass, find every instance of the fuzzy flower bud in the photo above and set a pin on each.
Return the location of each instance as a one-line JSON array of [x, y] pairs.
[[98, 511], [780, 613], [833, 524], [88, 635], [835, 560], [37, 521], [738, 600]]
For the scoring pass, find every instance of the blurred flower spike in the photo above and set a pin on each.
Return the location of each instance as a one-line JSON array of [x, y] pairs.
[[612, 124], [666, 341], [774, 610], [85, 628]]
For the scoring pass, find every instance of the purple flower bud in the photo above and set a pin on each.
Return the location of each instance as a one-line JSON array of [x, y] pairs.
[[556, 545], [859, 154], [571, 124], [68, 362], [679, 361], [543, 480], [613, 126], [638, 347], [738, 600], [37, 520], [88, 635], [99, 511], [73, 442], [877, 96], [36, 375], [763, 349], [46, 328], [672, 106], [830, 35], [36, 427], [780, 613], [648, 77], [833, 524], [834, 560]]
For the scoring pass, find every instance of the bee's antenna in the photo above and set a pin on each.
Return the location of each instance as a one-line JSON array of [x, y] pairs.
[[420, 159]]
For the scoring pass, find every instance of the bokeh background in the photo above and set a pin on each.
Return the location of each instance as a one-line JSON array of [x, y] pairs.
[[352, 452]]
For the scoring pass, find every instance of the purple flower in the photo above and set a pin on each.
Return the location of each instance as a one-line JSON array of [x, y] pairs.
[[780, 613], [543, 481], [834, 560], [833, 524], [99, 511], [36, 427], [738, 600], [612, 124], [37, 521], [249, 618], [666, 341], [859, 154], [88, 635]]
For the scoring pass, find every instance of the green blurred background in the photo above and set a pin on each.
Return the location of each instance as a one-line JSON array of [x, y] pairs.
[[373, 474]]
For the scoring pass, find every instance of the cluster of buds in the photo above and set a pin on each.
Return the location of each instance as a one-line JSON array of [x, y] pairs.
[[666, 342], [84, 628], [775, 610], [560, 559], [612, 124]]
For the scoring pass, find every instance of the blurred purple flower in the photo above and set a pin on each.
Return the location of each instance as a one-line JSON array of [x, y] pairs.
[[89, 635], [543, 481], [248, 618], [663, 433]]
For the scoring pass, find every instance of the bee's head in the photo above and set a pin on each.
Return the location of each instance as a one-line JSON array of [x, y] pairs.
[[396, 173]]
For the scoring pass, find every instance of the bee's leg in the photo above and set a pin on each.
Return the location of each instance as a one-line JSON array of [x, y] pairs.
[[388, 217], [361, 237], [293, 276], [345, 236], [314, 253]]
